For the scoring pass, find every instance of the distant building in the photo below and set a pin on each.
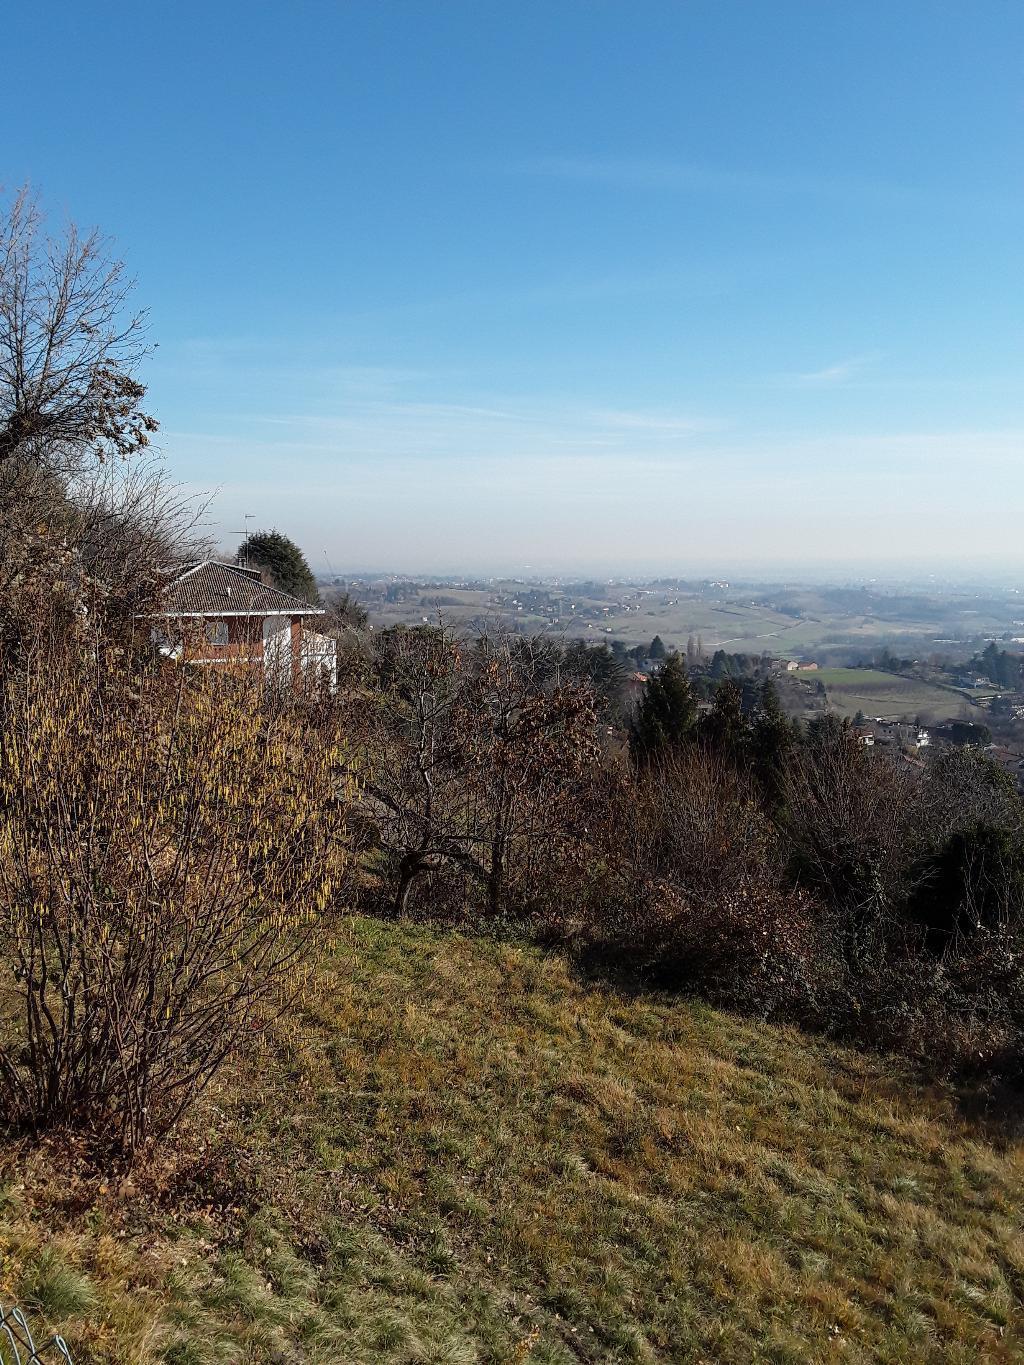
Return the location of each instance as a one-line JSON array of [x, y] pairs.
[[220, 614], [884, 731]]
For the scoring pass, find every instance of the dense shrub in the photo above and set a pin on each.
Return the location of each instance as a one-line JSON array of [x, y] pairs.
[[850, 826], [973, 881], [692, 893], [169, 847]]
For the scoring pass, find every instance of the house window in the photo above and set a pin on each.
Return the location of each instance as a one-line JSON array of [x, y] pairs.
[[165, 637], [216, 632]]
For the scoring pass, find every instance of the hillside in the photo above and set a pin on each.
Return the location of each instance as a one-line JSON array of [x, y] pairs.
[[460, 1152]]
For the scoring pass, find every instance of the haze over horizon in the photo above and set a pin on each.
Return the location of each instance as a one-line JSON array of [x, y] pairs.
[[647, 288]]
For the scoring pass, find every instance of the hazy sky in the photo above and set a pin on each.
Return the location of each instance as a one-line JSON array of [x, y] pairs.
[[562, 283]]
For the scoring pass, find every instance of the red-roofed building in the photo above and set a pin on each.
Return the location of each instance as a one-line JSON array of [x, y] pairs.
[[216, 613]]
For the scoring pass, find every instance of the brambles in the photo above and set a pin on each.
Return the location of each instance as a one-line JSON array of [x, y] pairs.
[[694, 896]]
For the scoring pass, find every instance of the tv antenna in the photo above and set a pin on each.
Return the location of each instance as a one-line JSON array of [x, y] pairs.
[[244, 548]]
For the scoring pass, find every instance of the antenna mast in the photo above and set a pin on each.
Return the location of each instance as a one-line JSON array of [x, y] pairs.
[[244, 554]]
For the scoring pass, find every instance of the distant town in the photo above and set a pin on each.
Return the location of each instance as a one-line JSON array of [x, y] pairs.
[[910, 669]]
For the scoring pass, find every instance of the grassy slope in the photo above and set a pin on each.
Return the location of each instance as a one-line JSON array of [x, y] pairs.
[[461, 1153]]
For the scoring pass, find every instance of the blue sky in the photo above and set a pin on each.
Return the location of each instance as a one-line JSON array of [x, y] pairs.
[[655, 286]]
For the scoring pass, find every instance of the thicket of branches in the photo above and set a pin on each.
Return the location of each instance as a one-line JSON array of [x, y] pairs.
[[170, 845], [472, 758]]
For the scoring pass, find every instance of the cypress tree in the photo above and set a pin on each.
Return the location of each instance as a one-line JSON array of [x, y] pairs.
[[724, 729], [666, 714], [772, 740]]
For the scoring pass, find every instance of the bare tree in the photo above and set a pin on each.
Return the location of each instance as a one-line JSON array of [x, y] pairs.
[[407, 756], [69, 347], [470, 755], [87, 516], [530, 752]]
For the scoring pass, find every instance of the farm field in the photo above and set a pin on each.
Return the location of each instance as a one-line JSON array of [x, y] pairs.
[[720, 625], [876, 693], [460, 1151], [797, 623]]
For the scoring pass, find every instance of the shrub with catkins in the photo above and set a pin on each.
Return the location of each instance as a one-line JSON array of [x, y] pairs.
[[170, 847]]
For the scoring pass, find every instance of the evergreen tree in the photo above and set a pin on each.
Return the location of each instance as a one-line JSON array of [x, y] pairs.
[[772, 740], [829, 730], [344, 611], [602, 667], [283, 563], [724, 730], [666, 714], [751, 696], [657, 649], [990, 662]]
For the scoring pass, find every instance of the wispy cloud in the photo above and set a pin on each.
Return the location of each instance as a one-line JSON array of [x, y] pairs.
[[393, 412], [504, 428], [830, 376]]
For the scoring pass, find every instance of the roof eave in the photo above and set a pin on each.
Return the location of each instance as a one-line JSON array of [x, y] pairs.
[[216, 611]]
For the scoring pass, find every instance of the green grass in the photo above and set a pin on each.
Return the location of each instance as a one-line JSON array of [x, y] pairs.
[[887, 694], [460, 1152]]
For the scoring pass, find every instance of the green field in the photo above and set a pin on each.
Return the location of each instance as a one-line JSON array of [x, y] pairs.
[[732, 626], [461, 1152], [885, 694]]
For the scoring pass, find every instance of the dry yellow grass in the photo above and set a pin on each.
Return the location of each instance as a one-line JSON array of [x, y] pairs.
[[460, 1152]]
